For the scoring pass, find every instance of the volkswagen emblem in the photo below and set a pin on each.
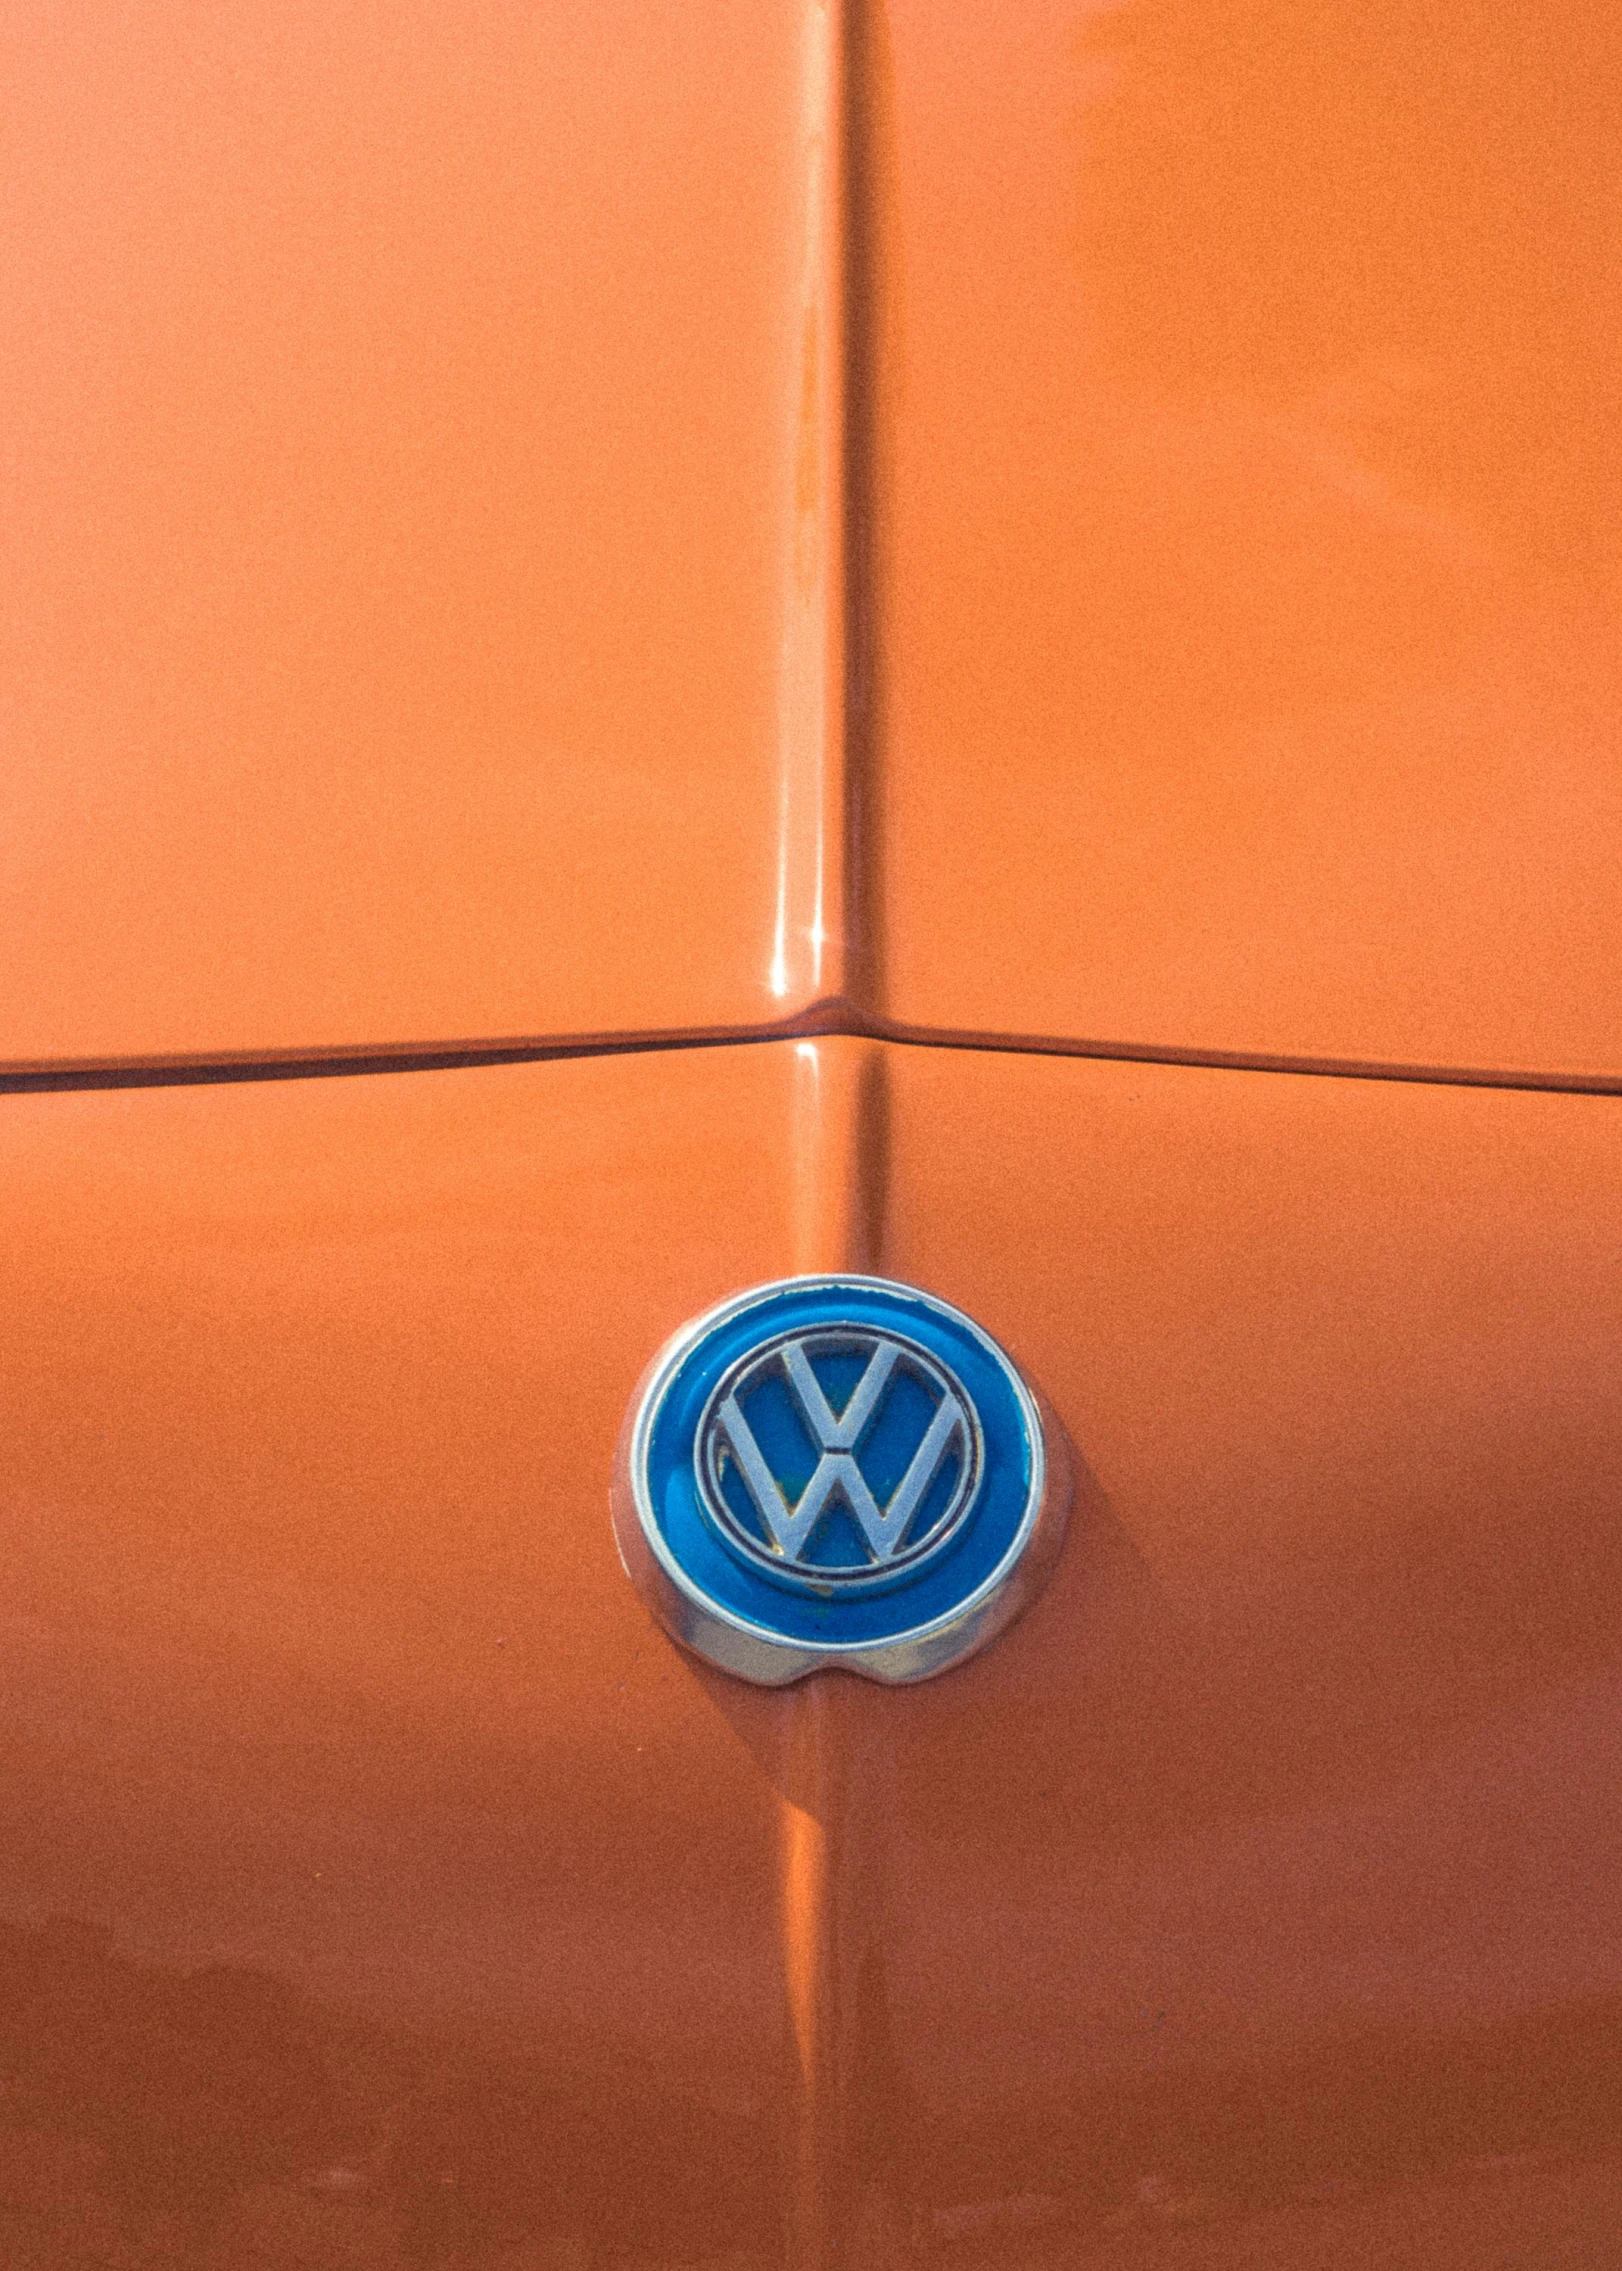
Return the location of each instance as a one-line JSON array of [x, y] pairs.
[[837, 1471]]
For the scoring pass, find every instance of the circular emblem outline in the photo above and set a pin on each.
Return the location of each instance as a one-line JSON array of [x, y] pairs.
[[922, 1619], [725, 1435]]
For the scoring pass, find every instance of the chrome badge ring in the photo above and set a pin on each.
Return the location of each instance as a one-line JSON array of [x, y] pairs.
[[837, 1472]]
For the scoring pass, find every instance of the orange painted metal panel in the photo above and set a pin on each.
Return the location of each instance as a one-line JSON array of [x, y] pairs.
[[377, 1887], [1254, 1901], [1251, 1901], [1244, 489], [417, 454]]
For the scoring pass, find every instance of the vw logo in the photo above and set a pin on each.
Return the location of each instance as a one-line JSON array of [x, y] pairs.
[[837, 1472], [838, 1458]]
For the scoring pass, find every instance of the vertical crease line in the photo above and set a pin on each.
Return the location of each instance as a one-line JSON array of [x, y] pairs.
[[864, 92], [840, 1137], [832, 942], [809, 1926]]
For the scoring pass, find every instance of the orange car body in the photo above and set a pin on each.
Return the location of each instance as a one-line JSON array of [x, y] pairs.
[[651, 646]]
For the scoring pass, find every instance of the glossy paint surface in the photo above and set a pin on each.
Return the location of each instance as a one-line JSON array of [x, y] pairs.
[[417, 431], [382, 1888], [1085, 522], [379, 1886], [1244, 480], [1254, 1903], [1094, 525]]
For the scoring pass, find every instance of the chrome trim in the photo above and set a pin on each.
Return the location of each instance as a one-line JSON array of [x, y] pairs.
[[750, 1651], [723, 1428]]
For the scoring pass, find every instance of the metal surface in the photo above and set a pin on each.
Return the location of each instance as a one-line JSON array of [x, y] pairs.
[[1243, 475], [1250, 1902], [777, 1616], [1065, 525], [780, 1536], [416, 561], [377, 1889], [1092, 527]]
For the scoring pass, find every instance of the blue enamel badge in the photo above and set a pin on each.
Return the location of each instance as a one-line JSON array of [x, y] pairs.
[[836, 1471]]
